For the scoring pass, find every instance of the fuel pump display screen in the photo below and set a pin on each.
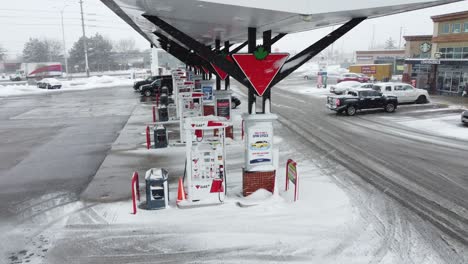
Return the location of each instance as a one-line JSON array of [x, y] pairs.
[[223, 108], [207, 92]]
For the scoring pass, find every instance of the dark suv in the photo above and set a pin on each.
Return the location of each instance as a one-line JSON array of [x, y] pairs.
[[136, 85], [154, 87]]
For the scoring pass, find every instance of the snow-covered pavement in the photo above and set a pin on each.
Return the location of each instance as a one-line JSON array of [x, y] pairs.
[[74, 85]]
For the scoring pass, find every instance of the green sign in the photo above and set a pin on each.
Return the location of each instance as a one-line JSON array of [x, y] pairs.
[[292, 172]]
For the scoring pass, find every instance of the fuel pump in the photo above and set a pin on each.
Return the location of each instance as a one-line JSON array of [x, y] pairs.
[[205, 180]]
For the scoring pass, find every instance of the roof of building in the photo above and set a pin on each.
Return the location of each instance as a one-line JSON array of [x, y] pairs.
[[387, 51], [450, 16], [227, 20], [418, 37]]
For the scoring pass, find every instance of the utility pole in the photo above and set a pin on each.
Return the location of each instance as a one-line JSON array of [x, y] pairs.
[[84, 40], [64, 46], [399, 42]]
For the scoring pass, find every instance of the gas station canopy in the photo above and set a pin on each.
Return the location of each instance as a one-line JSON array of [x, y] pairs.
[[208, 20]]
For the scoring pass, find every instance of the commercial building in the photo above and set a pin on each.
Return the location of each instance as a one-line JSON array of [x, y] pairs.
[[439, 62], [396, 57]]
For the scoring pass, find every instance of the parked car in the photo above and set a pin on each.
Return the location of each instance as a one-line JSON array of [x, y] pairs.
[[360, 99], [403, 91], [351, 76], [343, 87], [235, 102], [154, 87], [49, 83], [136, 85], [464, 117]]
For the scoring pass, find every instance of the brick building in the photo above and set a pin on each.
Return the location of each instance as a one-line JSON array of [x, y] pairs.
[[439, 62]]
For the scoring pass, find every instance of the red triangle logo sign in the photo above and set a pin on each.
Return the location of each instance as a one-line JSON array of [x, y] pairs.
[[260, 72], [222, 74], [205, 70]]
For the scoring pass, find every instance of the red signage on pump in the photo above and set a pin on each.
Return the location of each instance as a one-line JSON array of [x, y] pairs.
[[260, 73]]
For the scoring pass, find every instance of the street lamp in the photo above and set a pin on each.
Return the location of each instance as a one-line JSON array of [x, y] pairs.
[[63, 38]]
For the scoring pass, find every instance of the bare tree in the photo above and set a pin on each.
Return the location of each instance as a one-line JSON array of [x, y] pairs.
[[390, 44], [36, 50], [125, 47], [2, 53]]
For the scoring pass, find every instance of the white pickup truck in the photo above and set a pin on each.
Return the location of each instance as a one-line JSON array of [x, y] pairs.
[[403, 91]]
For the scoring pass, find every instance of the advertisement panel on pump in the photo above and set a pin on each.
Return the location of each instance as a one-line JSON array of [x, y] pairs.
[[260, 143]]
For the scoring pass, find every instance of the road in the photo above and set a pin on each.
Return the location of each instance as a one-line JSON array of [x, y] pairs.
[[52, 145], [425, 173]]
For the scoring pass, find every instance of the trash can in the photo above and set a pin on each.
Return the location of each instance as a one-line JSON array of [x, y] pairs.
[[160, 137], [157, 190], [164, 90], [164, 99], [163, 114]]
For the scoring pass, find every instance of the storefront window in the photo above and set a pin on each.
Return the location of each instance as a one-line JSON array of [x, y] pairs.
[[457, 53], [442, 51], [449, 53], [454, 53], [456, 28], [445, 28], [452, 79]]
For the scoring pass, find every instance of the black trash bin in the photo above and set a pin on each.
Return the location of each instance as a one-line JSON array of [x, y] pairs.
[[163, 115], [157, 190], [160, 137], [164, 99]]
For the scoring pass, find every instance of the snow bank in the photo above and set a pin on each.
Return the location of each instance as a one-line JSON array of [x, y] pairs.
[[447, 126], [73, 85]]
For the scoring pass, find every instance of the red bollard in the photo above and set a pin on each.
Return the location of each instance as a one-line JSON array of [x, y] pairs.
[[135, 189], [154, 114], [148, 138], [242, 129]]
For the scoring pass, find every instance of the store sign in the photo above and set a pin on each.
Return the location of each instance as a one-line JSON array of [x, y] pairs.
[[425, 47], [368, 69], [222, 74], [223, 108], [205, 70], [364, 58], [431, 62], [260, 144], [260, 73]]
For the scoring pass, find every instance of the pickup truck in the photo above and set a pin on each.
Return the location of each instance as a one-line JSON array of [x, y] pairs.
[[404, 92], [360, 99]]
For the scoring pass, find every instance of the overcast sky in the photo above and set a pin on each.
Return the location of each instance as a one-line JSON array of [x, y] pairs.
[[21, 19]]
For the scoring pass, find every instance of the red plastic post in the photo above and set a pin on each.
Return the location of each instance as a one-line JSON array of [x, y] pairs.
[[286, 186], [148, 138], [137, 185], [135, 189], [154, 113], [242, 129], [297, 184]]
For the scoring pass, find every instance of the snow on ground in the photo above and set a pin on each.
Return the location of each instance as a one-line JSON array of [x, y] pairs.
[[445, 125], [74, 85]]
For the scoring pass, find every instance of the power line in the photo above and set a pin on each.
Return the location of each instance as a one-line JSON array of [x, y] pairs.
[[40, 11]]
